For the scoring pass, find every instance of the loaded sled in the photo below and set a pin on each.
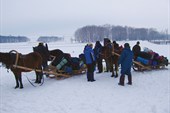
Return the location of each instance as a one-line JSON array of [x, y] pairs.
[[149, 60], [66, 66]]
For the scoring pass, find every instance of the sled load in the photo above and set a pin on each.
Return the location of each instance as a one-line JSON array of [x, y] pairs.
[[148, 60], [65, 65]]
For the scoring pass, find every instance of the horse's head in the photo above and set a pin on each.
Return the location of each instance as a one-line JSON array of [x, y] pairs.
[[7, 59]]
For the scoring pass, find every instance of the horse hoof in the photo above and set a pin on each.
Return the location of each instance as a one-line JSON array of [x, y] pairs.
[[112, 75], [16, 87], [39, 82]]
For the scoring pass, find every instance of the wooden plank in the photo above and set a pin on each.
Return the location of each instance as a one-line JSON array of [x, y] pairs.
[[141, 65], [37, 70]]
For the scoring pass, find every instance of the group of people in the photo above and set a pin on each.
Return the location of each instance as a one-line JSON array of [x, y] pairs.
[[92, 57]]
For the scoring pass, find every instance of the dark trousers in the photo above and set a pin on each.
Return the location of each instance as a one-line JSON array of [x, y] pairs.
[[90, 72], [99, 65]]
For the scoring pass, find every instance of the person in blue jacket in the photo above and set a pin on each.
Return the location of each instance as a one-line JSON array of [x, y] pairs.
[[97, 51], [90, 61], [125, 60]]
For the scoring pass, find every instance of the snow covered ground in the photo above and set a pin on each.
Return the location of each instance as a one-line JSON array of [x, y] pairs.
[[150, 92]]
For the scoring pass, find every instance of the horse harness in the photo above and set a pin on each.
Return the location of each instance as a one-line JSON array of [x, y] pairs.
[[18, 55]]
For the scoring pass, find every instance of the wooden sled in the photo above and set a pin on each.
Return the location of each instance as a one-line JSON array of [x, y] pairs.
[[58, 74], [141, 67], [135, 63], [137, 66]]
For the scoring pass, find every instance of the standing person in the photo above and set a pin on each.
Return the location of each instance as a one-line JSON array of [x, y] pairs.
[[136, 49], [90, 61], [43, 50], [126, 62], [97, 50]]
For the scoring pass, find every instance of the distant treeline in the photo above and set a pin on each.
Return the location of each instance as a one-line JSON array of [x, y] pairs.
[[93, 33], [49, 39], [12, 39]]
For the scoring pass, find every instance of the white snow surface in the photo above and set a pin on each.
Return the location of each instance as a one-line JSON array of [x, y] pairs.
[[150, 92]]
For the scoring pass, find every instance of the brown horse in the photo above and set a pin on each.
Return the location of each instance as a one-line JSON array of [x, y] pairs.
[[110, 59], [32, 60]]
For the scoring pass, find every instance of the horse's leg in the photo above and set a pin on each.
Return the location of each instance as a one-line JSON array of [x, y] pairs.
[[107, 65], [111, 67], [20, 80], [39, 75], [113, 74], [36, 80], [116, 69], [16, 79]]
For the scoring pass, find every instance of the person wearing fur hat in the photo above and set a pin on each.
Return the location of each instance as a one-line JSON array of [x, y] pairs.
[[90, 61], [97, 51], [44, 52], [136, 49], [126, 62]]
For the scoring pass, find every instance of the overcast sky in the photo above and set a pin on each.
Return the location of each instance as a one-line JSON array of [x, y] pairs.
[[64, 17]]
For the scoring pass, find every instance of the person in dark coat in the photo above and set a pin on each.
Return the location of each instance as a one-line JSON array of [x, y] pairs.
[[90, 61], [43, 50], [97, 50], [126, 62], [136, 49]]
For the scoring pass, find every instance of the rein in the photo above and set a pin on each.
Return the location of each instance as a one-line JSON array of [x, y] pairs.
[[32, 83]]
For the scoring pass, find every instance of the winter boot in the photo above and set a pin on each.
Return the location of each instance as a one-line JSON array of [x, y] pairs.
[[88, 76], [129, 79], [121, 82], [92, 77]]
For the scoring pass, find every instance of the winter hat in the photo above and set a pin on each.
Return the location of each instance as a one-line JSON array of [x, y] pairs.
[[40, 43], [126, 45], [138, 42]]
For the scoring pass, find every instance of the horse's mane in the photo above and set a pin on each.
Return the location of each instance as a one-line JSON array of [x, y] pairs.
[[56, 52]]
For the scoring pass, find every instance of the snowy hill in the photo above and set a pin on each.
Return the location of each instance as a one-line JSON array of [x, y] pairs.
[[150, 92]]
